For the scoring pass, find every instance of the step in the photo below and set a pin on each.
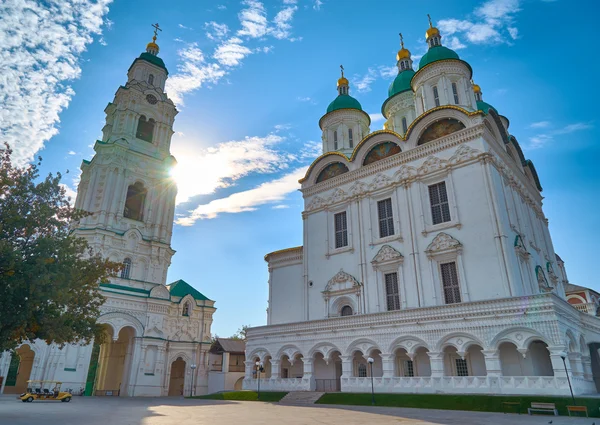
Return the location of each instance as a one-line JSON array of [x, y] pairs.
[[301, 398]]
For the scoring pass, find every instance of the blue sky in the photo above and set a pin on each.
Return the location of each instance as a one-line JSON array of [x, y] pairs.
[[251, 80]]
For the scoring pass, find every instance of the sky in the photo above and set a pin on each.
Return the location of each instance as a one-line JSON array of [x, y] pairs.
[[251, 80]]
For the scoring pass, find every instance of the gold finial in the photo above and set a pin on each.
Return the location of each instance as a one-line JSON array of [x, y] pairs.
[[156, 29], [430, 24], [342, 81], [431, 31], [152, 47], [402, 53], [401, 41]]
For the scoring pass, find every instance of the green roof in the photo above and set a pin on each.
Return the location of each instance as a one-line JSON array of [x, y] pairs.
[[401, 83], [344, 101], [484, 106], [181, 288], [437, 53], [153, 59]]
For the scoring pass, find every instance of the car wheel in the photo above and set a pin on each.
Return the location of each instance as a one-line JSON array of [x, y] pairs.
[[24, 401], [29, 399], [68, 399]]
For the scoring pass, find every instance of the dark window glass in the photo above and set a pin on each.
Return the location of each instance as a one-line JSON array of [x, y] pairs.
[[450, 283], [341, 229], [392, 292], [438, 198], [386, 219]]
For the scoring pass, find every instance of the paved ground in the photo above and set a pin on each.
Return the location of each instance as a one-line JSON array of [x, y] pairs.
[[176, 411]]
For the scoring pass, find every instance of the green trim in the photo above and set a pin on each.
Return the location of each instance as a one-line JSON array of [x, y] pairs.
[[150, 58], [92, 369], [181, 288], [149, 374], [437, 53], [344, 101], [124, 288], [70, 369], [531, 167], [85, 161]]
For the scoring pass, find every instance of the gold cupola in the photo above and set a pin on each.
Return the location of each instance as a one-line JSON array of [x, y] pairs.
[[403, 53], [152, 47], [431, 31]]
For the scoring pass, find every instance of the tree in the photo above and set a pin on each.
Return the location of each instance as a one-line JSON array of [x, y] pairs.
[[48, 278], [240, 335]]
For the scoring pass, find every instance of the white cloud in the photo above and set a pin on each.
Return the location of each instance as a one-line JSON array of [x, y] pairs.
[[280, 206], [72, 153], [221, 7], [376, 117], [317, 5], [231, 52], [282, 23], [490, 23], [540, 140], [184, 27], [540, 124], [201, 172], [363, 84], [70, 193], [216, 31], [253, 19], [41, 47], [248, 200]]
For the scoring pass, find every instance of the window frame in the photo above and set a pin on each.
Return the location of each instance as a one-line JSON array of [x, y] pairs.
[[394, 296], [350, 138], [436, 96], [388, 220], [335, 140], [126, 270], [454, 86], [345, 307], [456, 287], [151, 79], [331, 230], [376, 237], [440, 203], [425, 204], [404, 125]]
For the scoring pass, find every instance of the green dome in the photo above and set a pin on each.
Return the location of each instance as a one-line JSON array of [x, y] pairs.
[[484, 106], [437, 53], [154, 60], [344, 101], [401, 82]]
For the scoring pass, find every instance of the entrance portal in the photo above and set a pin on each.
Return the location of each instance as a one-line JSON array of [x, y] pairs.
[[19, 370], [114, 364], [177, 381]]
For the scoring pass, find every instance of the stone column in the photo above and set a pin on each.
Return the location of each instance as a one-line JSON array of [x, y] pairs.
[[249, 369], [587, 367], [387, 361], [492, 363], [437, 364], [556, 354], [347, 366], [274, 369], [308, 374], [574, 360], [225, 366]]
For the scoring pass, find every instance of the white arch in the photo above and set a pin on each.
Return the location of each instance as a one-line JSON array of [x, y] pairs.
[[262, 353], [118, 320], [520, 336], [410, 343], [364, 345], [325, 348], [289, 350], [459, 340]]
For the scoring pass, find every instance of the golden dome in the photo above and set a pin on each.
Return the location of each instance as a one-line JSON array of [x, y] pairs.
[[152, 45], [403, 54], [431, 31], [342, 81], [476, 88]]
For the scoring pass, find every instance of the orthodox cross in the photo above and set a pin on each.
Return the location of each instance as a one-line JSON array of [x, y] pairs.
[[156, 29], [342, 68], [401, 41], [430, 24]]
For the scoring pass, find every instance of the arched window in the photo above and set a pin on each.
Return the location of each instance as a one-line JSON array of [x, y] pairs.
[[404, 125], [436, 96], [362, 370], [186, 309], [350, 138], [145, 129], [335, 142], [126, 270], [380, 151], [346, 311], [455, 93], [134, 204], [151, 79], [402, 65]]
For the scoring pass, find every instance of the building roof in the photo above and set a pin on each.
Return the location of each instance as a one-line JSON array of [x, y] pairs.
[[181, 288], [484, 106], [401, 83], [344, 101], [231, 345], [153, 59], [570, 287], [437, 53]]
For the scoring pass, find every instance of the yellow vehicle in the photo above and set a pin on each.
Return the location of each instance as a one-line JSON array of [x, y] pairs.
[[45, 390]]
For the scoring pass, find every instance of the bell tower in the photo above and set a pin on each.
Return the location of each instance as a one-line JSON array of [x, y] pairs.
[[126, 187]]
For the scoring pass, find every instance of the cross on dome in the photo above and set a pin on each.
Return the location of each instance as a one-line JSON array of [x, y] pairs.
[[432, 35], [152, 47], [342, 83]]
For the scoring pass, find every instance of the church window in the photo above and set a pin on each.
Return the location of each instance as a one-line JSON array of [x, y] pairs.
[[186, 309], [404, 125], [455, 93], [341, 229], [134, 204], [436, 96], [440, 208], [145, 129], [346, 311], [126, 270], [386, 218], [350, 138], [392, 292], [409, 369], [335, 142], [151, 79], [450, 283], [362, 370], [462, 368]]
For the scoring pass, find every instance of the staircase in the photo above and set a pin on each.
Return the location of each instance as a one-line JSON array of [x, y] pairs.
[[301, 398]]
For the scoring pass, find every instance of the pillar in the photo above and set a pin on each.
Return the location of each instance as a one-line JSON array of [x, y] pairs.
[[249, 369], [492, 363], [225, 365], [275, 368], [574, 360], [587, 367], [388, 361], [436, 359], [347, 366], [557, 363]]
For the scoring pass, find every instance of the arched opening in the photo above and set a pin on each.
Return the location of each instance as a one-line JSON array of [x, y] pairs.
[[331, 171], [540, 359], [377, 367], [292, 368], [151, 79], [440, 129], [177, 379], [186, 309], [266, 374], [238, 384], [346, 311], [422, 362], [134, 203], [327, 372], [472, 364], [403, 364], [126, 270], [19, 370], [362, 369], [512, 363], [381, 151], [145, 129], [114, 364]]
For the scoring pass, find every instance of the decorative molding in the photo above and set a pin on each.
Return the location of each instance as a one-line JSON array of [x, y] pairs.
[[443, 243], [387, 255], [341, 277]]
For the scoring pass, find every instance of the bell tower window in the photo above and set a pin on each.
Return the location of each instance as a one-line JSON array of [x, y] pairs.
[[186, 309], [145, 129], [126, 270], [404, 125], [151, 79], [134, 204], [436, 96], [335, 142], [455, 93]]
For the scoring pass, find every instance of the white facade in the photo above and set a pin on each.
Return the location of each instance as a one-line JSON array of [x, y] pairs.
[[158, 334], [428, 252]]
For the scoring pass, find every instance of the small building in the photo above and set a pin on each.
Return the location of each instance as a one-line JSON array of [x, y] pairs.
[[226, 365]]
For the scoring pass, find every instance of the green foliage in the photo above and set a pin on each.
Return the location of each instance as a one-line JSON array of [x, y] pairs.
[[240, 335], [272, 396], [478, 403], [48, 279]]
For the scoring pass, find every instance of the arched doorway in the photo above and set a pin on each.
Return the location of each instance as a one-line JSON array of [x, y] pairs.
[[177, 380], [327, 372], [114, 364], [238, 384], [19, 370]]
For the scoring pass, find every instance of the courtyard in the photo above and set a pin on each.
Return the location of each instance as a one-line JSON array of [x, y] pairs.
[[178, 411]]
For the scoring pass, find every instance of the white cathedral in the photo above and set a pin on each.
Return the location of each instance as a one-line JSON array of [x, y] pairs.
[[159, 335], [426, 264]]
